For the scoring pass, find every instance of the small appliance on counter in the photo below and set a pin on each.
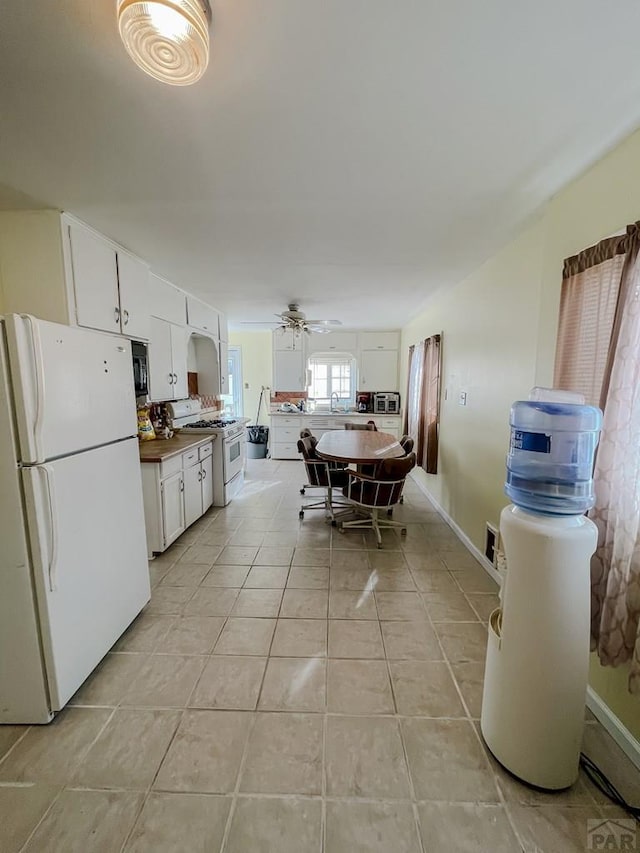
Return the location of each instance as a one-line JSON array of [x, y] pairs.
[[139, 358], [386, 403], [364, 402]]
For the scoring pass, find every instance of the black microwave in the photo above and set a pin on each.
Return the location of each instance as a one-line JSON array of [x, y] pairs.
[[139, 354]]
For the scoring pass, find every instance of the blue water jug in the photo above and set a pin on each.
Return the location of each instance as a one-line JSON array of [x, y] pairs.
[[550, 459]]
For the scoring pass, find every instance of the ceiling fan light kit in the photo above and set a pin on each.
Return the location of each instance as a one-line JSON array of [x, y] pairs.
[[168, 39]]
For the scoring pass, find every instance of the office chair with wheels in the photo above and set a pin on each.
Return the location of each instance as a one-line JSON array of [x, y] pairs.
[[372, 495], [321, 476]]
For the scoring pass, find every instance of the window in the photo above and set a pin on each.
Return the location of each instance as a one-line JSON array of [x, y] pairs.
[[233, 400], [332, 373]]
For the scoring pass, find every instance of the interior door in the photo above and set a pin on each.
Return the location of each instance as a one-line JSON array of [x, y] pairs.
[[85, 522], [95, 280], [62, 377], [133, 283], [207, 483], [160, 361], [192, 494]]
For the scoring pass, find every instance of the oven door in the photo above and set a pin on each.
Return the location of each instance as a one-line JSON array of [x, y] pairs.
[[233, 457]]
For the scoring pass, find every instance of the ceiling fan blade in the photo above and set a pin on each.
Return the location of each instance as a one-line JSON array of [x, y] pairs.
[[318, 330], [324, 323]]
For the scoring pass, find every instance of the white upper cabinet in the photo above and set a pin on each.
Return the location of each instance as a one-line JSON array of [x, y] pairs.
[[95, 280], [133, 284], [379, 340], [223, 330], [284, 339], [167, 361], [167, 302], [202, 316], [110, 286], [289, 372], [224, 367], [333, 342], [378, 370]]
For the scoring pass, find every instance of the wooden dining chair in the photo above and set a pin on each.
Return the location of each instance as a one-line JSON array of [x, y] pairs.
[[369, 425], [321, 475], [373, 495]]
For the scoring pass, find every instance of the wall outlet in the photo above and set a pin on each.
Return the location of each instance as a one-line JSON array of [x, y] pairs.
[[462, 398], [490, 541]]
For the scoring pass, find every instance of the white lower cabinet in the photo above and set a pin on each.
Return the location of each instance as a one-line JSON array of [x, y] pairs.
[[177, 492], [173, 519], [285, 430]]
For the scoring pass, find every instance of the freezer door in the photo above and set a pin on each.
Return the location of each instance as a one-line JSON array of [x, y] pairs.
[[86, 527], [23, 688], [73, 387]]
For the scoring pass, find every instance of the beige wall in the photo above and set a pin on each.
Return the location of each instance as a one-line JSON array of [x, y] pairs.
[[256, 350], [499, 327]]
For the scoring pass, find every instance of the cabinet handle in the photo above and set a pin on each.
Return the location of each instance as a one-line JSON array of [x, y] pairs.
[[170, 378], [204, 475], [182, 485], [125, 314], [175, 378], [199, 476], [116, 314]]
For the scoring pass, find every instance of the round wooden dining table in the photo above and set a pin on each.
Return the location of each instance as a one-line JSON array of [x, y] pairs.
[[361, 446]]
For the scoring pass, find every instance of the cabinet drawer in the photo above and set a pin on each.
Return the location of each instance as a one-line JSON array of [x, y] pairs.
[[205, 450], [389, 423], [170, 466], [287, 422], [287, 435], [284, 450], [189, 458]]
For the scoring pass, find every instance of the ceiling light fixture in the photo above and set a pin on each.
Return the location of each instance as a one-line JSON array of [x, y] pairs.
[[169, 39]]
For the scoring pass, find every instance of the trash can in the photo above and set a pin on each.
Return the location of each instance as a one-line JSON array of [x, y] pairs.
[[257, 440]]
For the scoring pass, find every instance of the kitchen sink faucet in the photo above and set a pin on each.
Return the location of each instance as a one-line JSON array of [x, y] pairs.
[[334, 394]]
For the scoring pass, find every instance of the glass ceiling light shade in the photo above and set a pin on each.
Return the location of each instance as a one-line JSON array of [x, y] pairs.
[[169, 39]]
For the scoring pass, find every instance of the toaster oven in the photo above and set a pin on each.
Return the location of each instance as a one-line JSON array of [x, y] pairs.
[[386, 403]]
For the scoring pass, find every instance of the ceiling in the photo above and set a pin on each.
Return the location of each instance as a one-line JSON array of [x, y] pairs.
[[350, 155]]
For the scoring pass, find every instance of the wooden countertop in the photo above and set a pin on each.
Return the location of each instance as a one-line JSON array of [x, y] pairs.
[[163, 448]]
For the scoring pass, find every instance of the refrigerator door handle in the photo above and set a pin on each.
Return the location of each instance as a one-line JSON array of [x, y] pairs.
[[53, 526], [38, 364]]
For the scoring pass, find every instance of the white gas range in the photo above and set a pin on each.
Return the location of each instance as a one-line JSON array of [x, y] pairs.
[[228, 448]]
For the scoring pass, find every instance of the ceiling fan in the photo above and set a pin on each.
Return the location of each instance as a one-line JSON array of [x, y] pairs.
[[296, 320]]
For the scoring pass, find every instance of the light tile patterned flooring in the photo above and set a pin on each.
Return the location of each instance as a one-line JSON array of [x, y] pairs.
[[292, 689]]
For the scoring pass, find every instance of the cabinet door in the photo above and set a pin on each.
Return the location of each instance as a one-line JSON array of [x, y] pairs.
[[378, 370], [207, 483], [192, 494], [379, 340], [161, 383], [95, 280], [179, 362], [202, 316], [223, 332], [133, 282], [224, 367], [283, 339], [172, 508], [167, 302], [289, 371]]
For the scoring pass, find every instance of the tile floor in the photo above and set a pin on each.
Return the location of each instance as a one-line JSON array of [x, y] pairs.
[[292, 689]]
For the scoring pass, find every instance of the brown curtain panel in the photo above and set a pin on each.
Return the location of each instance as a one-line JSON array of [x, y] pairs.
[[428, 452]]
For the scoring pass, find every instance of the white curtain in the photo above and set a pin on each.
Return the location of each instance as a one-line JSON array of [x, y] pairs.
[[615, 573], [414, 391]]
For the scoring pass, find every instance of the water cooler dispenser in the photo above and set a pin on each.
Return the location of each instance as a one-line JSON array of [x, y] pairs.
[[538, 648]]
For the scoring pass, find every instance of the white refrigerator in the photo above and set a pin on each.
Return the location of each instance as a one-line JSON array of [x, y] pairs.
[[73, 566]]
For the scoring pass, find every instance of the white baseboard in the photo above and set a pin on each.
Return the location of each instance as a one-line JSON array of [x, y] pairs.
[[616, 728], [600, 710], [489, 568]]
